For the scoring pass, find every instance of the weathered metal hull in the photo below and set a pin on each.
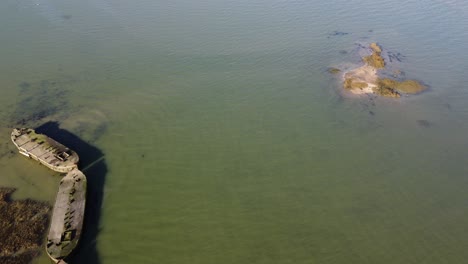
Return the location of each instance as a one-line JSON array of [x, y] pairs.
[[67, 218]]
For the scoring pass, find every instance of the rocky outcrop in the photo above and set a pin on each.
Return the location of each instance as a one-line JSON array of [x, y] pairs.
[[375, 59], [407, 87], [366, 79], [361, 80]]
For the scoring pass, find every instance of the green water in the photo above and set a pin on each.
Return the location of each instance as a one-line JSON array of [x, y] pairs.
[[226, 140]]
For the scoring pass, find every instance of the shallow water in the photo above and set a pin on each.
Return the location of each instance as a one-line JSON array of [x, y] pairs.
[[226, 140]]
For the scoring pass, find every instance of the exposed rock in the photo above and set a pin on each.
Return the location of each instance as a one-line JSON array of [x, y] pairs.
[[395, 56], [408, 86], [361, 80], [351, 83], [375, 60], [366, 80], [375, 47]]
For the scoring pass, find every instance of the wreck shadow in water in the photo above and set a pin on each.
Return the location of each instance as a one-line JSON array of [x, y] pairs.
[[93, 165]]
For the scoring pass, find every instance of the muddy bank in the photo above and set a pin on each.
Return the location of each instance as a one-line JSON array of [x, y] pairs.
[[23, 226]]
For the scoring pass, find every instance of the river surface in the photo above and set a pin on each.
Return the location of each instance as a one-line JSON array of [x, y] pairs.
[[226, 140]]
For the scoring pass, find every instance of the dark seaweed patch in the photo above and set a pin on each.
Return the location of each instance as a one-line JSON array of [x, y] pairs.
[[24, 86], [392, 56], [369, 104], [337, 33], [38, 101], [424, 123]]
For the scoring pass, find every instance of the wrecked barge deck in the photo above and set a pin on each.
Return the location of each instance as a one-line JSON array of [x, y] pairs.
[[47, 151], [67, 218]]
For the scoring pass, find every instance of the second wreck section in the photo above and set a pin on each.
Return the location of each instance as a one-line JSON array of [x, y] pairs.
[[67, 218]]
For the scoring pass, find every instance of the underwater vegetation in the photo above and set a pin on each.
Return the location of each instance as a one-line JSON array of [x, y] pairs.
[[23, 224], [39, 100]]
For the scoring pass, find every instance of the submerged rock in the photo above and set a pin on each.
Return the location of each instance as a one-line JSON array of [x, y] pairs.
[[424, 123], [337, 33]]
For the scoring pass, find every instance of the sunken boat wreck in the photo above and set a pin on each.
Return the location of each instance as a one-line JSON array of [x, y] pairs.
[[67, 218]]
